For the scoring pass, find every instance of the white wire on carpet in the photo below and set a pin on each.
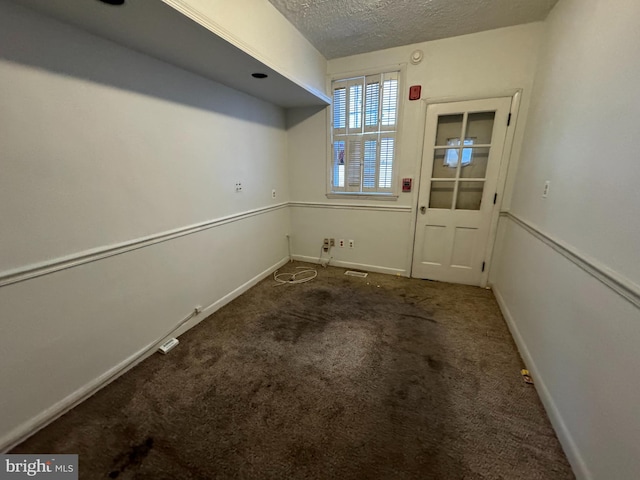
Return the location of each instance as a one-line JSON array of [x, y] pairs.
[[294, 278]]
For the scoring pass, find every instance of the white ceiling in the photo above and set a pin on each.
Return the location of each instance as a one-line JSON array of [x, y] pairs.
[[338, 28]]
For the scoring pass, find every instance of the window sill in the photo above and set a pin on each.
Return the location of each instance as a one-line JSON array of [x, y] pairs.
[[364, 196]]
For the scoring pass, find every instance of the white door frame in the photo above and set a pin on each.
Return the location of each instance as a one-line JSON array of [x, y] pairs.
[[516, 100]]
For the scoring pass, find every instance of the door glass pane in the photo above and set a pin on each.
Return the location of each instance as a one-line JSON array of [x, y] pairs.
[[480, 127], [449, 129], [469, 195], [441, 195], [445, 161], [474, 162]]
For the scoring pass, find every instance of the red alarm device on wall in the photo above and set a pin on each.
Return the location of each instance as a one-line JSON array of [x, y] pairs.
[[414, 92]]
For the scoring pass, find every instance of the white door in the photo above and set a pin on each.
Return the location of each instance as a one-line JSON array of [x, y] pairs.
[[461, 159]]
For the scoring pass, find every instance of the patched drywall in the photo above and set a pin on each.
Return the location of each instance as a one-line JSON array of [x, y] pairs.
[[339, 28]]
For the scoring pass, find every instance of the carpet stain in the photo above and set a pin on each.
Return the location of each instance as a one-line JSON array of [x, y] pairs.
[[132, 458], [320, 298], [402, 394], [340, 377], [291, 324], [428, 319], [434, 364]]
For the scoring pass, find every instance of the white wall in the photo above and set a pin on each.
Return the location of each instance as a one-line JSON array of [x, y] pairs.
[[479, 65], [580, 337], [102, 146]]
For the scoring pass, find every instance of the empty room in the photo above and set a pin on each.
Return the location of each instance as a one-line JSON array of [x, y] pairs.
[[282, 239]]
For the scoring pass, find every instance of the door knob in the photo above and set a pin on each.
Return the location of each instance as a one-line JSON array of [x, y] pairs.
[[423, 209]]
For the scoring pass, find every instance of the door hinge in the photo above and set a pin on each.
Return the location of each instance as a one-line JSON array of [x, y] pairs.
[[495, 198], [509, 120], [483, 266]]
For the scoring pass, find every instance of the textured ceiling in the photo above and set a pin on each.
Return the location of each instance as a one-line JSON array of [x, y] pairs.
[[338, 28]]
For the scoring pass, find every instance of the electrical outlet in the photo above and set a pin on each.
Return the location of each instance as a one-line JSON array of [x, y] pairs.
[[238, 186], [325, 245], [273, 193], [332, 242], [545, 190], [351, 244], [341, 243]]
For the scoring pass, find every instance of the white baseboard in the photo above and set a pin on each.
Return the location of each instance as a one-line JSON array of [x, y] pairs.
[[564, 435], [357, 266], [218, 304], [24, 431]]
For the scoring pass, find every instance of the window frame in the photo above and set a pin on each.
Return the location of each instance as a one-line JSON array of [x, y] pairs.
[[393, 194]]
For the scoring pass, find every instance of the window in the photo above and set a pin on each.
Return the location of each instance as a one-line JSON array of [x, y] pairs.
[[451, 157], [364, 124]]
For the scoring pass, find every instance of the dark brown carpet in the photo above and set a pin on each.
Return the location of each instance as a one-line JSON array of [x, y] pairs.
[[338, 378]]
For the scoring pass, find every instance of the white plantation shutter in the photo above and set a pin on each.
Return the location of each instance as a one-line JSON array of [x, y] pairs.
[[364, 126], [387, 144], [338, 167], [340, 109], [370, 163], [355, 94], [354, 164], [372, 103], [389, 101]]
